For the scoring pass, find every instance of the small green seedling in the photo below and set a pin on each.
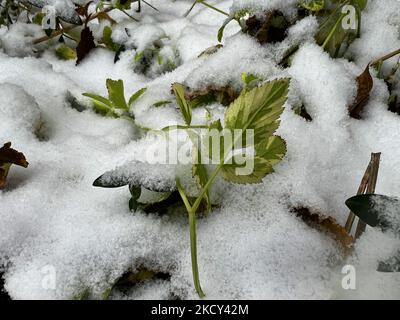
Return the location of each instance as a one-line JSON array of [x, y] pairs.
[[115, 105], [259, 110]]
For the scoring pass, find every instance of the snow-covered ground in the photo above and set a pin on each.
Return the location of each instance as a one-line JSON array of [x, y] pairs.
[[251, 247]]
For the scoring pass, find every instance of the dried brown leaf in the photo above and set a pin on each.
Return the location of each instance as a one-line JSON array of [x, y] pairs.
[[326, 224], [86, 44], [9, 156], [224, 95], [365, 84], [269, 29]]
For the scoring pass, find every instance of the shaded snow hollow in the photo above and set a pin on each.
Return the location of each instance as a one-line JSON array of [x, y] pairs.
[[252, 247]]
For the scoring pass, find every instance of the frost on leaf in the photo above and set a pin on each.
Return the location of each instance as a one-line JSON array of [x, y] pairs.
[[65, 10], [158, 178]]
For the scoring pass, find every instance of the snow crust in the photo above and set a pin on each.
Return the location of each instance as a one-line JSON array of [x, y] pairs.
[[252, 246]]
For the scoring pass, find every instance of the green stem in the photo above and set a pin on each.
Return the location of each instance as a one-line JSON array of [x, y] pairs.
[[193, 251], [212, 7], [192, 225], [332, 32]]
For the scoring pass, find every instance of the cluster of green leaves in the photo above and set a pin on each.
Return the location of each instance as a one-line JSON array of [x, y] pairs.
[[383, 212], [331, 35], [257, 109], [115, 105]]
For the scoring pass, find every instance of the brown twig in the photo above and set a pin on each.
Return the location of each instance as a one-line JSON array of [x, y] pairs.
[[373, 177], [361, 190], [69, 28], [385, 57]]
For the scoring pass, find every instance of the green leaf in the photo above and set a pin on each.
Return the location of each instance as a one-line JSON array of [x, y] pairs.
[[108, 41], [262, 167], [161, 103], [222, 29], [179, 91], [116, 93], [360, 3], [99, 99], [199, 170], [258, 109], [272, 150], [267, 154], [136, 95], [66, 53], [313, 5], [376, 210]]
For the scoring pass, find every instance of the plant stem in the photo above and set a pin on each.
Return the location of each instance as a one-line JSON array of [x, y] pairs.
[[193, 252], [332, 32], [212, 7], [385, 57], [69, 28], [192, 225], [375, 159]]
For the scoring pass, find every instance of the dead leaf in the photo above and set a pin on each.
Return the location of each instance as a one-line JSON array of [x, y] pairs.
[[326, 224], [83, 10], [272, 28], [105, 16], [8, 157], [86, 44], [365, 84], [224, 95]]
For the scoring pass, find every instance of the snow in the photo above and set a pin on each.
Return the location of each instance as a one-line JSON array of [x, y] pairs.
[[250, 247]]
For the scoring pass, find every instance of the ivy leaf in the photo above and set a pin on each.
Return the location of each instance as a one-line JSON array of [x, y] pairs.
[[258, 109], [376, 210], [86, 44], [179, 91], [136, 96], [116, 93], [364, 86]]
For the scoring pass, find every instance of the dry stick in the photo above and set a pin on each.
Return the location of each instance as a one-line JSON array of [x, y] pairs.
[[386, 57], [375, 159], [361, 190], [69, 28]]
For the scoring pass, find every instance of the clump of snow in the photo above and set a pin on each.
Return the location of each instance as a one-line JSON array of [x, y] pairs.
[[54, 222], [18, 110], [18, 41]]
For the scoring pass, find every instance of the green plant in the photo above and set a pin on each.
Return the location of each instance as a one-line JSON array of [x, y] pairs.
[[331, 35], [258, 109], [115, 105]]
